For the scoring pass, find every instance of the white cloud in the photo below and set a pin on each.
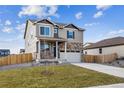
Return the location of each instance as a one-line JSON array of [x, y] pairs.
[[91, 24], [103, 7], [18, 37], [15, 41], [112, 34], [52, 11], [39, 11], [8, 22], [7, 29], [78, 15], [49, 18], [20, 27], [118, 32], [31, 10], [98, 14], [14, 44]]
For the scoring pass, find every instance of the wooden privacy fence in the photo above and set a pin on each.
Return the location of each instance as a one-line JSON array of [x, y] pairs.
[[99, 58], [16, 59]]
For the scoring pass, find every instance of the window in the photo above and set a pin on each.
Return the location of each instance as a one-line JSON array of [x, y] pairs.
[[85, 52], [5, 53], [44, 31], [44, 46], [70, 34], [2, 53], [55, 30], [100, 51]]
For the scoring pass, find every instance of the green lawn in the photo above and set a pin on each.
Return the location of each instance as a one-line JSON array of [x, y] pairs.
[[59, 76]]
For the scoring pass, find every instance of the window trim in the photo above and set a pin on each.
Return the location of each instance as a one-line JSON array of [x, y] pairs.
[[50, 33], [72, 35]]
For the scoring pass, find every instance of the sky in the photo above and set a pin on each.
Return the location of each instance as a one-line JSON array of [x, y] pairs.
[[100, 21]]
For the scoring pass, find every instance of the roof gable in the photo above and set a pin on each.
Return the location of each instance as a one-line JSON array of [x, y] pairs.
[[71, 26], [45, 21]]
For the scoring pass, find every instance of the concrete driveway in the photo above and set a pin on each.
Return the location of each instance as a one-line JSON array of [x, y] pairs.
[[115, 71]]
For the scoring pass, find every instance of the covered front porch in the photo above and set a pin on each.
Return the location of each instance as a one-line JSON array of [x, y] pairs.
[[48, 48]]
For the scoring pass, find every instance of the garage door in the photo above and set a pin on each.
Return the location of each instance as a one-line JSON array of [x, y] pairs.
[[71, 56]]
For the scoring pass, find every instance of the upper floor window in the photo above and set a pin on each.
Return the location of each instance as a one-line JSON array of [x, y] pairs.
[[55, 30], [45, 31], [70, 34]]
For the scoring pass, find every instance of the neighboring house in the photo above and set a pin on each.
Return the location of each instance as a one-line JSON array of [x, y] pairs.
[[107, 46], [22, 51], [50, 40], [85, 45], [4, 52]]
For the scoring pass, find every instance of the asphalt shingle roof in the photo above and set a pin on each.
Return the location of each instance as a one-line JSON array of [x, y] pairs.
[[106, 43]]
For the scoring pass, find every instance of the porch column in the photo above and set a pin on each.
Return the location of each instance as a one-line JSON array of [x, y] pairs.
[[65, 49], [56, 49], [39, 51]]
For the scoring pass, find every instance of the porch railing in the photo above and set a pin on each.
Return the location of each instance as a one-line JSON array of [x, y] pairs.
[[47, 54]]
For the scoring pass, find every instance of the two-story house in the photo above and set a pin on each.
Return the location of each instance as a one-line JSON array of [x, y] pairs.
[[50, 40]]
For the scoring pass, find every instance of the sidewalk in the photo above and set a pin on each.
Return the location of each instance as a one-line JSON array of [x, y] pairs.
[[120, 85]]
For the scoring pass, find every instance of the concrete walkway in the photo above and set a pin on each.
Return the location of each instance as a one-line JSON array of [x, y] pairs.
[[120, 85], [24, 65], [8, 67], [115, 71]]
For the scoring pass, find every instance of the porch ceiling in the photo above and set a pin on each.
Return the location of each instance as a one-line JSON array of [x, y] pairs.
[[52, 39]]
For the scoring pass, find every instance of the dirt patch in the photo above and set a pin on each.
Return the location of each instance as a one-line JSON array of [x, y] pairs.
[[47, 73]]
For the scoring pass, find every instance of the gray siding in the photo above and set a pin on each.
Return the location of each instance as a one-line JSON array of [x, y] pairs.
[[78, 34], [30, 39], [107, 50], [42, 24]]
